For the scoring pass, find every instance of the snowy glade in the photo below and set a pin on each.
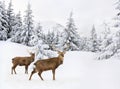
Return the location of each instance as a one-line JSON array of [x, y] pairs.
[[77, 72]]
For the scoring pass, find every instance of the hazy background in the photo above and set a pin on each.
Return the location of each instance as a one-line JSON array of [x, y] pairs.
[[85, 12]]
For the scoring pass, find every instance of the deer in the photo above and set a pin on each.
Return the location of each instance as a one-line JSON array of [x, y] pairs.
[[48, 64], [22, 61]]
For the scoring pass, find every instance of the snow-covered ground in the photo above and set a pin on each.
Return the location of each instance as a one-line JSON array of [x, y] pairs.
[[80, 70]]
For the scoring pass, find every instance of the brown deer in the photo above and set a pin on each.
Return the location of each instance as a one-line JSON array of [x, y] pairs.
[[48, 64], [22, 61]]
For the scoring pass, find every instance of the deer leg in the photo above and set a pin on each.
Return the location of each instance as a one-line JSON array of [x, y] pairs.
[[40, 75], [53, 71], [13, 69], [34, 71], [26, 69]]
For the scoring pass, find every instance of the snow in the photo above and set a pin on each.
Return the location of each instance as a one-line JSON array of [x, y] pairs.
[[80, 70]]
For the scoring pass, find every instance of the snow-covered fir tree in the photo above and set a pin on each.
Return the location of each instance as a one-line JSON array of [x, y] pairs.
[[3, 22], [50, 39], [71, 35], [18, 29], [110, 50], [57, 38], [11, 20], [106, 37], [109, 44], [86, 44], [117, 17], [94, 40], [37, 35], [28, 32], [38, 31], [43, 51]]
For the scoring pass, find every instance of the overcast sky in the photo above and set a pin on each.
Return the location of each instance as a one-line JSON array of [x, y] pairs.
[[85, 12]]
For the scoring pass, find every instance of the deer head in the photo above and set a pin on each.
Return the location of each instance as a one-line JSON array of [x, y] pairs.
[[32, 54]]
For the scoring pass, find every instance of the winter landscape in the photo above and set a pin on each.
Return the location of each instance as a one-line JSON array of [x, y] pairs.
[[92, 45]]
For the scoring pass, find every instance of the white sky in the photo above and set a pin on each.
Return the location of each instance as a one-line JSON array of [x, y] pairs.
[[86, 12]]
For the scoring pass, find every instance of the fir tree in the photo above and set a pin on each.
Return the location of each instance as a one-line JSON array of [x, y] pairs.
[[94, 40], [106, 38], [28, 26], [3, 22], [72, 38], [117, 17], [11, 20], [18, 29], [50, 39], [38, 31]]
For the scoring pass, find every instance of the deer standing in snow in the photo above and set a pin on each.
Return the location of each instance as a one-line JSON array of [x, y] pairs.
[[22, 61], [48, 64]]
